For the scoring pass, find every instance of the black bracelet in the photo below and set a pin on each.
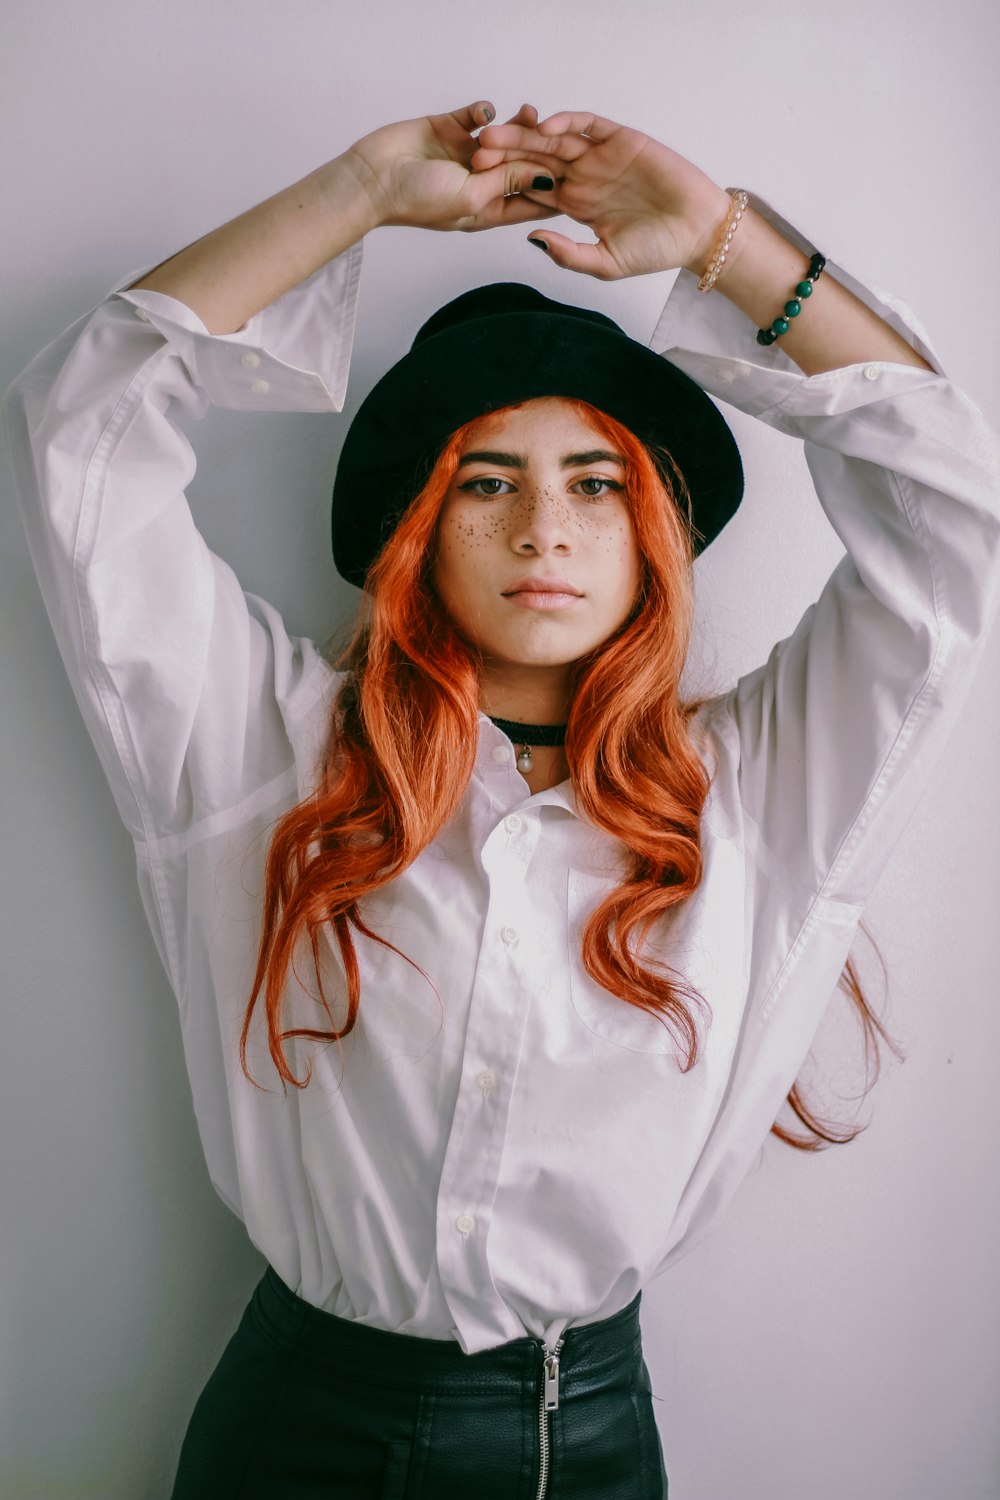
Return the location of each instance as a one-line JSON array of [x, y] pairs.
[[794, 307]]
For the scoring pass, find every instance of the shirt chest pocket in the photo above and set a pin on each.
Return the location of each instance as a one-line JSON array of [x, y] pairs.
[[602, 1013]]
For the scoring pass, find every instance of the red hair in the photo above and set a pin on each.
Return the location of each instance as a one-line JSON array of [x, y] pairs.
[[402, 746]]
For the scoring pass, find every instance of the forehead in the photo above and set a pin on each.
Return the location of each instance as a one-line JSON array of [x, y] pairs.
[[546, 418]]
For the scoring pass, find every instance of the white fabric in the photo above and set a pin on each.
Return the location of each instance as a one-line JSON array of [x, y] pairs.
[[526, 1155]]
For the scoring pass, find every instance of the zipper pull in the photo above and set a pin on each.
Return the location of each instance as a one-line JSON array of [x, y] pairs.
[[551, 1386]]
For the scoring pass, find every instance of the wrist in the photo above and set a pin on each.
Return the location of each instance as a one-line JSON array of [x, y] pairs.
[[353, 192], [761, 270], [708, 222]]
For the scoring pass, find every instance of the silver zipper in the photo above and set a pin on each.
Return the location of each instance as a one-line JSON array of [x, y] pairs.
[[548, 1401]]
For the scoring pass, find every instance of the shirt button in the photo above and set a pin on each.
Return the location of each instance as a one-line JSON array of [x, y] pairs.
[[512, 824], [465, 1222], [509, 935], [501, 755], [250, 361], [261, 387], [871, 372], [142, 315], [486, 1080]]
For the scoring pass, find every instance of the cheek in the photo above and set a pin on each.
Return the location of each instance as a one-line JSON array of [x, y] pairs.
[[469, 544], [463, 533], [462, 545], [622, 548]]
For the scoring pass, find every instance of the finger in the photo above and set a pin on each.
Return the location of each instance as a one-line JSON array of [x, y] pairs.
[[523, 141], [519, 209], [571, 122], [590, 260], [526, 115], [503, 181], [471, 116], [483, 159]]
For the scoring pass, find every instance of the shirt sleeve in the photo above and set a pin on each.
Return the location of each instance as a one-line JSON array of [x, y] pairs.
[[836, 734], [186, 683]]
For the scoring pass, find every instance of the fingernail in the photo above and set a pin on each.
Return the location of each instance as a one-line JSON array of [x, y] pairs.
[[542, 183], [488, 113], [540, 243]]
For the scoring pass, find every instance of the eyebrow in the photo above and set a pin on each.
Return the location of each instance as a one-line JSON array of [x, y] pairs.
[[519, 461]]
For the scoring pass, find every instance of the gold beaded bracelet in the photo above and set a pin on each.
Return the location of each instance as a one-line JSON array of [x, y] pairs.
[[738, 201]]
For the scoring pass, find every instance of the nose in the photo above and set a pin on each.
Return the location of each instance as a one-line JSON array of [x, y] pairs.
[[540, 521]]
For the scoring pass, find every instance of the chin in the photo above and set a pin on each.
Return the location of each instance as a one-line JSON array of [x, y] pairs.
[[508, 663]]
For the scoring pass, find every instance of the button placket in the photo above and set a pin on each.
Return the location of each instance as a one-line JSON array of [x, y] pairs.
[[501, 996]]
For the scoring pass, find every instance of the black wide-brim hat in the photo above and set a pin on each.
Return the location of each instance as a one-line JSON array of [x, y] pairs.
[[500, 345]]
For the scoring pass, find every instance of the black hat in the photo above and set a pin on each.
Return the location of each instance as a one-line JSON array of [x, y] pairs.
[[494, 347]]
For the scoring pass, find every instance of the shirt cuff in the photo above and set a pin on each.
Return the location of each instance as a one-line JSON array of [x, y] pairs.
[[712, 341], [293, 355]]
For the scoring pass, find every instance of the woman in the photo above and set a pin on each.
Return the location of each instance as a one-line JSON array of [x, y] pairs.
[[572, 936]]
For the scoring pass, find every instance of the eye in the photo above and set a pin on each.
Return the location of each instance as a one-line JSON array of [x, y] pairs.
[[593, 486], [604, 485], [473, 486]]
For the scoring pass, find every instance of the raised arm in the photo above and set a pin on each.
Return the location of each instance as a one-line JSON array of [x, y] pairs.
[[652, 210], [190, 688], [413, 173], [835, 735]]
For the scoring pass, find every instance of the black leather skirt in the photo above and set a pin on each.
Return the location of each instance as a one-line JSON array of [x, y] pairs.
[[307, 1406]]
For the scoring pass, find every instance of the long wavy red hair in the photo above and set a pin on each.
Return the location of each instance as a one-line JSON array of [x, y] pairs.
[[402, 746]]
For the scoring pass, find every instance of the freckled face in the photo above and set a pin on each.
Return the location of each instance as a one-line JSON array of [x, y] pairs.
[[538, 494]]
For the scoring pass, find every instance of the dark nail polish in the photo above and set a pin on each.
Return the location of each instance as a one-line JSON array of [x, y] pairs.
[[542, 183], [540, 243]]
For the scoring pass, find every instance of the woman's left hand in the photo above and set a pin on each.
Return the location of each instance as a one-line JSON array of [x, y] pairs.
[[651, 209]]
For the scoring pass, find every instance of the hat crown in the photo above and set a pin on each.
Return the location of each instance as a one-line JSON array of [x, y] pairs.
[[502, 299]]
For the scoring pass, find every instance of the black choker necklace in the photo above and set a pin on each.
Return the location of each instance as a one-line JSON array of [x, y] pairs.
[[526, 735]]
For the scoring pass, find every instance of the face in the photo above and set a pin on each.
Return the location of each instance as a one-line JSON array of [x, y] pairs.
[[538, 496]]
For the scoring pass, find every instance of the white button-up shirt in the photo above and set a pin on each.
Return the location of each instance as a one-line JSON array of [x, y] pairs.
[[519, 1152]]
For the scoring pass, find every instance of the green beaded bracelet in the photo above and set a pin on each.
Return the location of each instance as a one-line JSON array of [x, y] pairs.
[[793, 307]]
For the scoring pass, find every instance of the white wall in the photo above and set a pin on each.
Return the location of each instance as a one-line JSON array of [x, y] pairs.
[[839, 1334]]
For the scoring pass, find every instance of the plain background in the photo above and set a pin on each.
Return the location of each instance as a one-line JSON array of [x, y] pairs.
[[838, 1335]]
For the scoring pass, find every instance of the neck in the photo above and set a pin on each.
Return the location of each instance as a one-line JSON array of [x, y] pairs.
[[539, 696], [531, 734]]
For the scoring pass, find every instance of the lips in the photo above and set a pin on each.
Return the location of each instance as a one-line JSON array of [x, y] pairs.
[[541, 586]]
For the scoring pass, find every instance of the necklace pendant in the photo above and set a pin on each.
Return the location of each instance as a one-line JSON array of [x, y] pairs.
[[524, 761]]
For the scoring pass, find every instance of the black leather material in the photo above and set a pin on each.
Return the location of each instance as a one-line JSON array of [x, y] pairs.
[[306, 1406]]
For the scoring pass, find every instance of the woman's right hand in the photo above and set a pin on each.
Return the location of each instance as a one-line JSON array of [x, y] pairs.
[[418, 173]]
